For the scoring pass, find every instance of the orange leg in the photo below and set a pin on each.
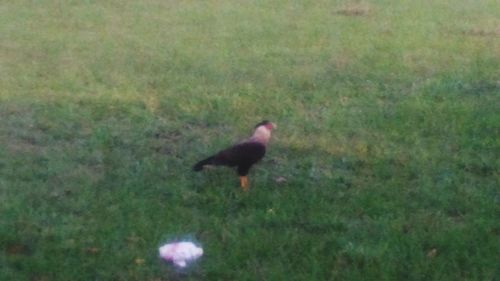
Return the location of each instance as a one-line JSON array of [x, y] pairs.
[[244, 183]]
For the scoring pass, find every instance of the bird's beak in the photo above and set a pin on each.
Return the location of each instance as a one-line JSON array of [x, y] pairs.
[[274, 125]]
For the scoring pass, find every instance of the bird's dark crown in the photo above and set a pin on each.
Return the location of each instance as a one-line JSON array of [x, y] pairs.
[[265, 122]]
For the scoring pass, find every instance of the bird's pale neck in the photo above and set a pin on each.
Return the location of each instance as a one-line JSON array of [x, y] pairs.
[[262, 134]]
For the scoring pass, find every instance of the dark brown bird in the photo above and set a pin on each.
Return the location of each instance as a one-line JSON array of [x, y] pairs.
[[244, 154]]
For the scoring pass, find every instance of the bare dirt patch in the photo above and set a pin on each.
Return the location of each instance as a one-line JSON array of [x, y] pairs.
[[354, 10], [483, 32]]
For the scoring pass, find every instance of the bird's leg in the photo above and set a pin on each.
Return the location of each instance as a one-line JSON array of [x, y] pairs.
[[244, 183]]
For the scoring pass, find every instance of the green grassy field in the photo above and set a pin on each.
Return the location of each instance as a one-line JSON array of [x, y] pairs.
[[388, 138]]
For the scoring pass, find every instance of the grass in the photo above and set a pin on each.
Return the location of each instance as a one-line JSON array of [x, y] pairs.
[[388, 139]]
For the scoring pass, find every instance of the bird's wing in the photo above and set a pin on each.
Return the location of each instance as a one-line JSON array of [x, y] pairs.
[[246, 153]]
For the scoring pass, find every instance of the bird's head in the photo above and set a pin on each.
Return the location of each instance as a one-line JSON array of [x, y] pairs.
[[263, 131], [267, 124]]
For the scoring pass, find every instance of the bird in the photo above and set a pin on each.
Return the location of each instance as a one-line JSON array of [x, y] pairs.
[[242, 155]]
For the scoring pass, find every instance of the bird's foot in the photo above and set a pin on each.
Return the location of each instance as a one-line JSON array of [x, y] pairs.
[[244, 183]]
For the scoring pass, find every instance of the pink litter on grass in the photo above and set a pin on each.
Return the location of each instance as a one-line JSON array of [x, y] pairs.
[[180, 253]]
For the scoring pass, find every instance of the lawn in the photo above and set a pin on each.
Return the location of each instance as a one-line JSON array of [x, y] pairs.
[[385, 164]]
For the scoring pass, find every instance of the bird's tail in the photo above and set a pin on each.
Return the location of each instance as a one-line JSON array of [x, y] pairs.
[[199, 166]]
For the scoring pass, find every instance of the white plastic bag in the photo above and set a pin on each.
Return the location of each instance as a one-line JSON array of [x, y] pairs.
[[180, 253]]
